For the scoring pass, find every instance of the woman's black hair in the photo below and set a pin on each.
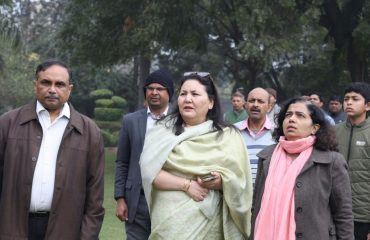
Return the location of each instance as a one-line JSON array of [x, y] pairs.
[[215, 114], [325, 136]]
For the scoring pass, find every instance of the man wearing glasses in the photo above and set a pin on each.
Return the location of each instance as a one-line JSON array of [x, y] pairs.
[[131, 204]]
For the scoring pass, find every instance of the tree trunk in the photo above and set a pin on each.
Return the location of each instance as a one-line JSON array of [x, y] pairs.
[[252, 66], [357, 65], [143, 72]]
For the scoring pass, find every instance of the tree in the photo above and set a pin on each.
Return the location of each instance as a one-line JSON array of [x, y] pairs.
[[348, 26], [258, 42], [95, 32], [15, 84], [9, 33]]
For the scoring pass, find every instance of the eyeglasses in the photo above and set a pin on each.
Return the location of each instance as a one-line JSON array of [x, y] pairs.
[[200, 74], [152, 89]]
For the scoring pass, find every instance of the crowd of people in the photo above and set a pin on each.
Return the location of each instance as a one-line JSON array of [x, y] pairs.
[[187, 171]]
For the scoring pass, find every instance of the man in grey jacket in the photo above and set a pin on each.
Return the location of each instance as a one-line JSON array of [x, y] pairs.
[[131, 204], [354, 143]]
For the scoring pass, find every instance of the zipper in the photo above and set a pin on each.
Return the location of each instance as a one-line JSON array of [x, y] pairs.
[[350, 143]]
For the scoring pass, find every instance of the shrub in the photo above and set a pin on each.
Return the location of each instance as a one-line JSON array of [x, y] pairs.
[[119, 102], [104, 103], [101, 93], [110, 139], [112, 126], [108, 114]]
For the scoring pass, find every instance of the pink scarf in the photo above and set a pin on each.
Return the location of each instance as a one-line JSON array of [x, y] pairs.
[[275, 219]]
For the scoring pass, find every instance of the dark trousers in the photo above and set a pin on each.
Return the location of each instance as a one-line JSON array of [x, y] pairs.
[[37, 226], [139, 229], [361, 230]]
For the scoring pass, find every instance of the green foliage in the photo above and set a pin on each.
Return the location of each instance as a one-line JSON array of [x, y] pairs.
[[111, 126], [101, 93], [107, 114], [87, 76], [10, 33], [252, 43], [110, 139], [104, 103], [119, 102], [361, 37], [16, 77], [112, 228], [5, 2]]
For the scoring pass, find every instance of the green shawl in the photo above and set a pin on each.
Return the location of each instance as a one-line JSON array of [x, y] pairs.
[[197, 152]]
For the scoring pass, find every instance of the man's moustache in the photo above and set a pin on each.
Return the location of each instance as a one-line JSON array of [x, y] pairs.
[[51, 97]]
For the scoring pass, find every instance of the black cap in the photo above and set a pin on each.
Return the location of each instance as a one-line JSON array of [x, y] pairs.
[[163, 77]]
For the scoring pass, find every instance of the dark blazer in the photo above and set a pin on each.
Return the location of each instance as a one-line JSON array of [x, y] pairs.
[[323, 201], [130, 145]]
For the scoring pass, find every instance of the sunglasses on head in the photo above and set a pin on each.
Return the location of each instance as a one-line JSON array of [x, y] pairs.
[[200, 74]]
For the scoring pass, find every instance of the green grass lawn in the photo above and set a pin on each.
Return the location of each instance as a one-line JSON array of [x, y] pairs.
[[112, 229]]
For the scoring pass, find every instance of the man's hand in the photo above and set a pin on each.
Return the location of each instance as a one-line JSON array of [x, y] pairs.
[[121, 210]]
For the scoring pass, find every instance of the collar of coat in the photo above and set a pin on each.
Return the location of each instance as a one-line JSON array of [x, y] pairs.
[[28, 113], [364, 123]]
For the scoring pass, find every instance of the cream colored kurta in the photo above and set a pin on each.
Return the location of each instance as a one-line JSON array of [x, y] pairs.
[[197, 152]]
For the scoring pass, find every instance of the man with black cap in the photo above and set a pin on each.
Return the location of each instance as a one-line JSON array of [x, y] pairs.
[[131, 204]]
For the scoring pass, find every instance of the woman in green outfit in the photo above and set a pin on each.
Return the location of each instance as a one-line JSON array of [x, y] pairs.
[[195, 169]]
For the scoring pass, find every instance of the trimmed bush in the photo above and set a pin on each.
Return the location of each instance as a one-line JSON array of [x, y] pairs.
[[110, 139], [104, 103], [108, 114], [101, 93], [119, 102], [110, 125]]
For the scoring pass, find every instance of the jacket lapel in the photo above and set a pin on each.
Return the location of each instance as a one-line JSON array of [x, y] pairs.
[[142, 124], [317, 157]]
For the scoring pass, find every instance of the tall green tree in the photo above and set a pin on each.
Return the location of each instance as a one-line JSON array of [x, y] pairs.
[[348, 27], [16, 86], [119, 30], [258, 42], [348, 24]]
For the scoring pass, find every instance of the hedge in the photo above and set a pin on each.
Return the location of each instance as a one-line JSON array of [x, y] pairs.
[[104, 103], [112, 126], [110, 139], [108, 114], [101, 93], [119, 102]]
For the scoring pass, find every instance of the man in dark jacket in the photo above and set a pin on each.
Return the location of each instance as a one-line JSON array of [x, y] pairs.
[[335, 109], [131, 204], [51, 165], [354, 143]]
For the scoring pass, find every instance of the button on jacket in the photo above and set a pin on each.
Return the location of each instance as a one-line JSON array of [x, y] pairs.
[[323, 205], [76, 209]]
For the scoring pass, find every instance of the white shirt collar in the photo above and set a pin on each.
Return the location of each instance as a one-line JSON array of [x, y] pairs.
[[66, 111], [157, 117]]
